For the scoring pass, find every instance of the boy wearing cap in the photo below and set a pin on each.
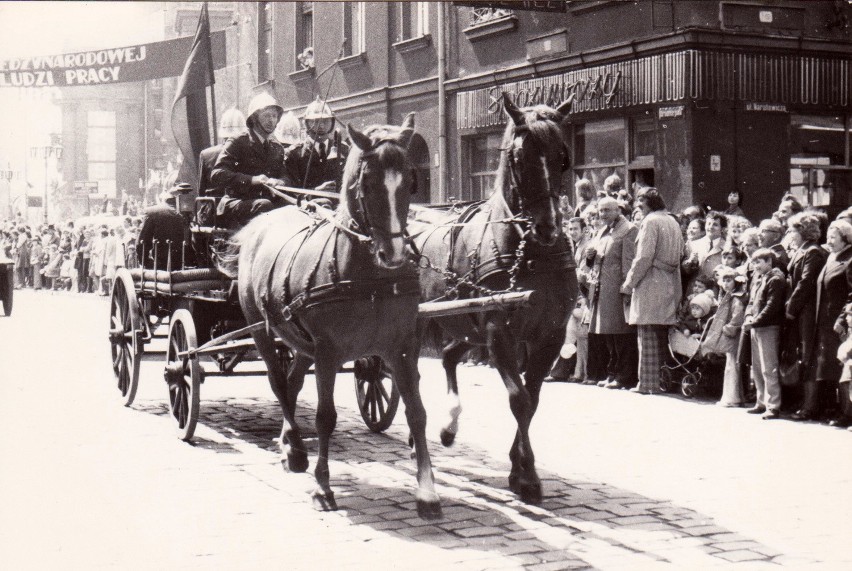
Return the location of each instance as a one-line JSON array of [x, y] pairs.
[[764, 317]]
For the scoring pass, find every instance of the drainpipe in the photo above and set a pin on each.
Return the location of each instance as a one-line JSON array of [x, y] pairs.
[[442, 106]]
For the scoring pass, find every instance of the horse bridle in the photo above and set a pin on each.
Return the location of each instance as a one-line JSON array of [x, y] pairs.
[[523, 131], [367, 227]]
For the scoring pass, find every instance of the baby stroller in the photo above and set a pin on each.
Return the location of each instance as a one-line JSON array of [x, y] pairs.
[[688, 369]]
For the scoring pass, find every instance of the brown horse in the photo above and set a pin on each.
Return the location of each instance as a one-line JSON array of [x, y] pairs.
[[511, 241], [336, 287]]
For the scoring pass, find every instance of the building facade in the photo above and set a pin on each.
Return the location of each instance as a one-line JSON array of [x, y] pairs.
[[696, 98]]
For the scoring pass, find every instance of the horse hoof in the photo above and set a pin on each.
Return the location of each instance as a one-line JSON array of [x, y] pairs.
[[297, 461], [530, 493], [447, 437], [324, 501], [429, 510]]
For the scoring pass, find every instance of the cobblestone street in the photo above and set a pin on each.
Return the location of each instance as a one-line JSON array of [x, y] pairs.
[[630, 481]]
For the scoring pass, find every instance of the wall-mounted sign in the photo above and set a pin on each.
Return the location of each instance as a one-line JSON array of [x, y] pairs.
[[715, 163], [34, 202], [768, 107], [673, 111], [114, 65], [85, 188]]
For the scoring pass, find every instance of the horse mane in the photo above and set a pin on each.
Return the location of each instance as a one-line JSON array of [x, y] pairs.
[[543, 124]]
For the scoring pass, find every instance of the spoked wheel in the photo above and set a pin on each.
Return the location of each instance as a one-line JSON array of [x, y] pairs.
[[183, 374], [377, 396], [8, 285], [666, 379], [125, 336], [689, 385]]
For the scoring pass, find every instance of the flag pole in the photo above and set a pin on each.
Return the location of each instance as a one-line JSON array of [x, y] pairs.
[[212, 77]]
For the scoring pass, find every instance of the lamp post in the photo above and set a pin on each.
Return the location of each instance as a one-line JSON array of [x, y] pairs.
[[8, 175], [54, 149]]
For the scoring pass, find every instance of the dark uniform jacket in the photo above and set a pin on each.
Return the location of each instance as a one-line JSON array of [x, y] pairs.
[[309, 167], [163, 223], [242, 158], [206, 161]]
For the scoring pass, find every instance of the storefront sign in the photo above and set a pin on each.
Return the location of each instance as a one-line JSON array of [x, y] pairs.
[[532, 5], [601, 86], [115, 65], [770, 107], [85, 188], [715, 163], [667, 112]]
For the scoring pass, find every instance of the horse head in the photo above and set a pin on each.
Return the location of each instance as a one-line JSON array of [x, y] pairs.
[[378, 182], [535, 154]]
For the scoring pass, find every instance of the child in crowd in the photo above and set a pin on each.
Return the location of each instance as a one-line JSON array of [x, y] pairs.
[[723, 335], [576, 345], [764, 317], [701, 308], [732, 256], [702, 284]]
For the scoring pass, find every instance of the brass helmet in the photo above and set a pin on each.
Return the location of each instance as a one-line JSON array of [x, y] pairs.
[[232, 123], [259, 102], [318, 117], [289, 131]]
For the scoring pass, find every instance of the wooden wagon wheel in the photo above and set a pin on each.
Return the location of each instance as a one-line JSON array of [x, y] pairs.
[[377, 396], [8, 290], [183, 374], [125, 336]]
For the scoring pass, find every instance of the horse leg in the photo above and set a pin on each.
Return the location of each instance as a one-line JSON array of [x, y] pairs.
[[451, 357], [325, 370], [291, 439], [406, 377], [296, 378], [503, 349]]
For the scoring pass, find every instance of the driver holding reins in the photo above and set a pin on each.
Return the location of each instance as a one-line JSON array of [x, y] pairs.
[[248, 163], [318, 162]]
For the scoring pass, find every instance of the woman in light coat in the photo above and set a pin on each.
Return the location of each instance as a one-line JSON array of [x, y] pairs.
[[655, 284]]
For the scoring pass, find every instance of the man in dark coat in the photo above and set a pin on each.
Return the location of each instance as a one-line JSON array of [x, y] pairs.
[[164, 225], [249, 162], [231, 125], [318, 162]]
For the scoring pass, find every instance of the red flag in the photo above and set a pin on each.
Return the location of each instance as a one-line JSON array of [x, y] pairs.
[[190, 121]]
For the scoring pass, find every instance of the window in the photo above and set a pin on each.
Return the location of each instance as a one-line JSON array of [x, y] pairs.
[[413, 20], [100, 148], [484, 15], [305, 35], [483, 159], [643, 138], [819, 161], [599, 151], [264, 41], [353, 29]]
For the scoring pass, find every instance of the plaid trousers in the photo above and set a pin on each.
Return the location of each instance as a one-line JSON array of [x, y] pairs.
[[653, 340]]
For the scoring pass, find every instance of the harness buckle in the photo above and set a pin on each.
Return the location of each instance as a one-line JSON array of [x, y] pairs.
[[287, 313]]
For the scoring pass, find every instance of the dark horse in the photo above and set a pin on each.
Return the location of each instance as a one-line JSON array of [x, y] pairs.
[[338, 286], [511, 241]]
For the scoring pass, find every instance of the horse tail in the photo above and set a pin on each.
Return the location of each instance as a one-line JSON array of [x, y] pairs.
[[227, 257]]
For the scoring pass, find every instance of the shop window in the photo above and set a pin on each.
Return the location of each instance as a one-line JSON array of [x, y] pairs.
[[479, 16], [643, 138], [820, 173], [305, 35], [264, 41], [483, 153], [816, 139], [418, 152], [353, 29], [600, 142]]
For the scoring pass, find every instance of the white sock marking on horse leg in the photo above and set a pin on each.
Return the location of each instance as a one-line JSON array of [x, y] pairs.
[[454, 409]]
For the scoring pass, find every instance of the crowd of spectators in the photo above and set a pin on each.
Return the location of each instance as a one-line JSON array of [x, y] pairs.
[[80, 255], [769, 299]]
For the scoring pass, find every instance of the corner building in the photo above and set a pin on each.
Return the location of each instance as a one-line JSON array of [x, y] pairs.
[[696, 98]]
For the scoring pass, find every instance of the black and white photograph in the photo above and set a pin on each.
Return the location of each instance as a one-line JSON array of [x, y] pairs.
[[461, 286]]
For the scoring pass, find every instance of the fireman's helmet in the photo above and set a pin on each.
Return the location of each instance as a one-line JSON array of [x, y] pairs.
[[232, 123], [289, 131], [259, 102], [318, 118]]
